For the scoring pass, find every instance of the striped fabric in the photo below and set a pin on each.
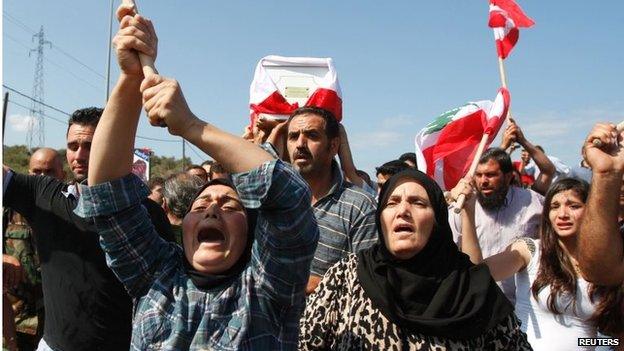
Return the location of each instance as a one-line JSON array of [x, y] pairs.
[[259, 310], [346, 221]]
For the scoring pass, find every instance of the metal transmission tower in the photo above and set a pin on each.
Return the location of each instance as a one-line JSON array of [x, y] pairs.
[[36, 132]]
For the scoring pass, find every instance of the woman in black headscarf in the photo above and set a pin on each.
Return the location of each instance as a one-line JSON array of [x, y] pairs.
[[413, 289]]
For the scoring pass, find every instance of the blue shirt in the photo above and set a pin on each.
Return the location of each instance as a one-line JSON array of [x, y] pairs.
[[346, 220], [259, 310]]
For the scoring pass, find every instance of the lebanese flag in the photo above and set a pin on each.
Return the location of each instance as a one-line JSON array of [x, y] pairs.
[[264, 96], [446, 147], [505, 19]]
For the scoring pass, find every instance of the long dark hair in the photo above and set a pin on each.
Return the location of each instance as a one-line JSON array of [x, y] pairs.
[[556, 269]]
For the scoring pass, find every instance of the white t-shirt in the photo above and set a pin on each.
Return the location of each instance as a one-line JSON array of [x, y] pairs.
[[544, 329], [519, 216]]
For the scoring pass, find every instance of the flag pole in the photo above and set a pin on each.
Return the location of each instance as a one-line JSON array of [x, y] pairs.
[[147, 62], [503, 78], [473, 167], [459, 204], [110, 43], [501, 69]]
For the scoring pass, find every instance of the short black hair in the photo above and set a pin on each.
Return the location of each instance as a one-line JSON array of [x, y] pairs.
[[89, 116], [499, 156], [409, 156], [392, 167], [207, 162], [332, 128]]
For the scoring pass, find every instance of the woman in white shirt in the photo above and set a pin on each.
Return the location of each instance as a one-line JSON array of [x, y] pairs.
[[555, 304]]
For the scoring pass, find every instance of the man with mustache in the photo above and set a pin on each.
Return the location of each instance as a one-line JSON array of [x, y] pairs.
[[503, 212], [344, 212]]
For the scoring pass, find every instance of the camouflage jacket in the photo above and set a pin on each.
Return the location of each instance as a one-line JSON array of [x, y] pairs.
[[27, 298]]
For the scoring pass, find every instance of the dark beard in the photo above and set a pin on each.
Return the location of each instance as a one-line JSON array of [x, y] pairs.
[[494, 201]]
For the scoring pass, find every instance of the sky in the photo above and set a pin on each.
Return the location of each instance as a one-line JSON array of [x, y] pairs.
[[399, 63]]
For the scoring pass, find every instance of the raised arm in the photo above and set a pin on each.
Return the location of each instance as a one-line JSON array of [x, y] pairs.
[[600, 243], [546, 167], [346, 159], [163, 100], [112, 160], [134, 251], [470, 242]]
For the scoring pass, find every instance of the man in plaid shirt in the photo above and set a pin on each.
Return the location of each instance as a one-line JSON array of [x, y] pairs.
[[239, 281]]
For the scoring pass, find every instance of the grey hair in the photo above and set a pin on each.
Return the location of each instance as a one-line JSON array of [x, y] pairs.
[[178, 192]]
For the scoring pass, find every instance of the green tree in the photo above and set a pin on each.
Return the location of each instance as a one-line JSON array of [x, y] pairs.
[[162, 166], [16, 157]]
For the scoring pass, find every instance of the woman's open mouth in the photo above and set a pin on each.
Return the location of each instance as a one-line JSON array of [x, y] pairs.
[[210, 235]]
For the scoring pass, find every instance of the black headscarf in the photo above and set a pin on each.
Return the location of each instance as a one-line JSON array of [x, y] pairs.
[[204, 281], [438, 292]]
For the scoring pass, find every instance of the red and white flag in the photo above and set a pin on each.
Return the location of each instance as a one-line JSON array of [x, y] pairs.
[[446, 147], [264, 96], [505, 19]]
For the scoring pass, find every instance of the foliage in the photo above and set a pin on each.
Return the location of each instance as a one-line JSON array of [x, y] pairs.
[[17, 157], [162, 166]]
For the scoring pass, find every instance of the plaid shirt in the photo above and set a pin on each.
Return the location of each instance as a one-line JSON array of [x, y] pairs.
[[259, 310], [346, 220]]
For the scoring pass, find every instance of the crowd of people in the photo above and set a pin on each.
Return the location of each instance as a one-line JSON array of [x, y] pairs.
[[280, 243]]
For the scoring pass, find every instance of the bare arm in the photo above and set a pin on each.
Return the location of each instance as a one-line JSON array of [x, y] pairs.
[[277, 138], [508, 139], [313, 282], [163, 100], [346, 159], [546, 167], [509, 262], [112, 160], [601, 247], [469, 241]]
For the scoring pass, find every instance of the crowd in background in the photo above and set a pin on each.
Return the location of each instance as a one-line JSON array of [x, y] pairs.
[[279, 241]]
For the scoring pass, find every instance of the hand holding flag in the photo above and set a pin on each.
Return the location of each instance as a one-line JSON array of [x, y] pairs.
[[129, 7]]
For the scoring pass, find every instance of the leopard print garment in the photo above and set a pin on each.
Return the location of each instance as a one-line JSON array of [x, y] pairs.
[[339, 316]]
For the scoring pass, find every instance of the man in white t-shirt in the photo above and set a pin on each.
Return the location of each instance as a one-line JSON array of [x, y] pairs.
[[503, 212]]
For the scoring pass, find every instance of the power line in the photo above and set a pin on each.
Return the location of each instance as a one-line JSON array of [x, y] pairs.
[[37, 101], [17, 22], [54, 46], [72, 74], [46, 115], [58, 65], [69, 114], [15, 40], [196, 153], [24, 27], [156, 139]]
